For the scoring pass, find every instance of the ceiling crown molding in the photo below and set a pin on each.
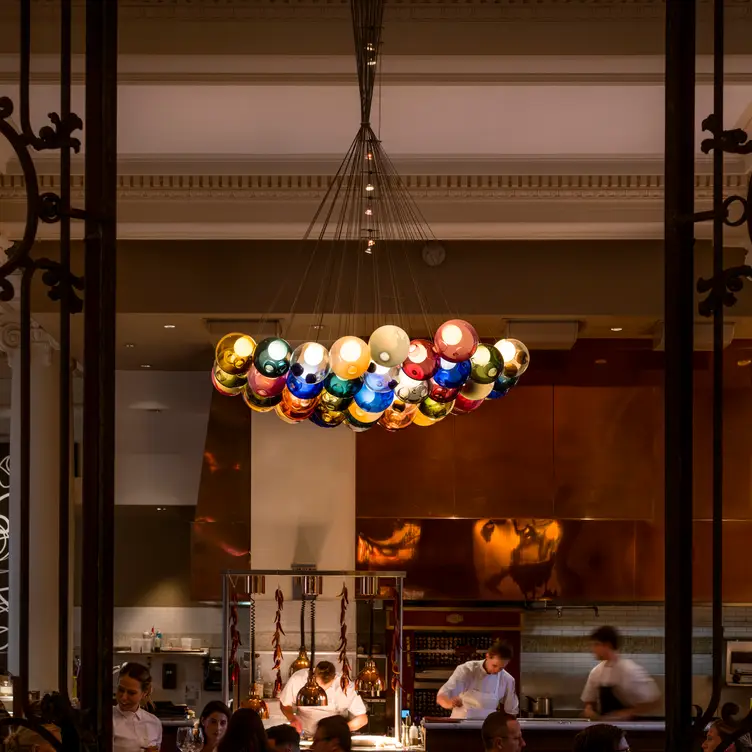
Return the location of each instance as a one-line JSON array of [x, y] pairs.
[[402, 10]]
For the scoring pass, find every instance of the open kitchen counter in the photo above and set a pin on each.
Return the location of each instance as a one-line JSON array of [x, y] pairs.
[[542, 735]]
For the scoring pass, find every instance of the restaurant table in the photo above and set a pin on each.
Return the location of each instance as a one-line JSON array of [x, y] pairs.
[[540, 734]]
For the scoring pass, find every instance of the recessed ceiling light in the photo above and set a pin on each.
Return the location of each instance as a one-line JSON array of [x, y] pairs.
[[617, 329], [744, 362], [129, 345], [318, 326], [145, 365], [601, 362], [169, 326], [161, 509]]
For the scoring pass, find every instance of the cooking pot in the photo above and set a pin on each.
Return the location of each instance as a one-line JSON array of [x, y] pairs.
[[539, 707]]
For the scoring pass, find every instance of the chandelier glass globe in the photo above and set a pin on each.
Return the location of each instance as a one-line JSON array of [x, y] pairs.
[[260, 404], [473, 391], [463, 405], [272, 357], [400, 415], [422, 360], [303, 389], [440, 393], [349, 357], [363, 416], [424, 421], [410, 390], [433, 409], [381, 379], [452, 375], [234, 353], [487, 364], [389, 345], [516, 356], [342, 387], [373, 402], [264, 386], [226, 384], [325, 418], [310, 362], [455, 340]]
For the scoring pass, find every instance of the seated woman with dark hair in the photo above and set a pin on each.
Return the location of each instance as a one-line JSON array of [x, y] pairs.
[[213, 724], [245, 733], [716, 731], [332, 735], [600, 738]]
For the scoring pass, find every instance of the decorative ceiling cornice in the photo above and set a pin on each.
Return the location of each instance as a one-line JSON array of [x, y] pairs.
[[412, 10], [223, 187]]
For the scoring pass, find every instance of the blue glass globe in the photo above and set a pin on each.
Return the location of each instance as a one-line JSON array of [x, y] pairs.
[[381, 379], [302, 389], [502, 385], [452, 375], [373, 402]]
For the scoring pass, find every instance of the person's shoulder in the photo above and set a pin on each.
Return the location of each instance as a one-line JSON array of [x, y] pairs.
[[506, 676], [298, 676], [631, 667], [147, 716], [598, 668]]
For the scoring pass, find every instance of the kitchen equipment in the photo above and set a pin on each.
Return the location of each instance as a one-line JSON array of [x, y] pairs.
[[212, 674], [539, 707], [739, 663], [169, 676]]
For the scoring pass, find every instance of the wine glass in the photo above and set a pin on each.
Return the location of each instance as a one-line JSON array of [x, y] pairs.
[[186, 739]]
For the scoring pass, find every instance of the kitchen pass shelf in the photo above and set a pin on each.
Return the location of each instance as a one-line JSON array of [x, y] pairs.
[[197, 653]]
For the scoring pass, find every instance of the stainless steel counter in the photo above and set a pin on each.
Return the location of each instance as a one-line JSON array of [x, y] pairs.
[[549, 724]]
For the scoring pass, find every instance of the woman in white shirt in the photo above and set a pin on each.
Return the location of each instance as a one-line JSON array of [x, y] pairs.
[[133, 728]]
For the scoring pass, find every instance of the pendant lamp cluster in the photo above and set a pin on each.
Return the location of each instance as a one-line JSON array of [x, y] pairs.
[[390, 380], [362, 243]]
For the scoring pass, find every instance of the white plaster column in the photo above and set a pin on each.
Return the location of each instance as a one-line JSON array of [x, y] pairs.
[[302, 513], [44, 613]]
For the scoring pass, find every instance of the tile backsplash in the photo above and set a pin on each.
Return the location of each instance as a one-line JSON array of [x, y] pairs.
[[555, 657]]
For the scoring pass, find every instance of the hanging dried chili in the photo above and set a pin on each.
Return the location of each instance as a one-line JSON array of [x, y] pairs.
[[342, 648], [277, 641]]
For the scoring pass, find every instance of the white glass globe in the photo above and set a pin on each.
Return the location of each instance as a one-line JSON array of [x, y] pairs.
[[516, 356], [389, 345]]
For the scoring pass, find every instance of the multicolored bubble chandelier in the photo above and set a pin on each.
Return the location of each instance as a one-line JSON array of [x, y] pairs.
[[390, 380], [362, 243]]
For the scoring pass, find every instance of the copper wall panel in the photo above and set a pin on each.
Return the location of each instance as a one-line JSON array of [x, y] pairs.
[[606, 452], [503, 456], [421, 463], [221, 535], [702, 487], [737, 454]]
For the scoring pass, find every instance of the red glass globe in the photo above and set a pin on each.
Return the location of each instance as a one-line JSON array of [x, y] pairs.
[[422, 360], [456, 340]]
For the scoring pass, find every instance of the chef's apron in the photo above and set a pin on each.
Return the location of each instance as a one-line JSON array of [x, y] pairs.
[[477, 704], [608, 701]]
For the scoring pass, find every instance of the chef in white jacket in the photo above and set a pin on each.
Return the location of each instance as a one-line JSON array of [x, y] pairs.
[[477, 688]]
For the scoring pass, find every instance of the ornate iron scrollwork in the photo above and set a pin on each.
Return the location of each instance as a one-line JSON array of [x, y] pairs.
[[722, 288]]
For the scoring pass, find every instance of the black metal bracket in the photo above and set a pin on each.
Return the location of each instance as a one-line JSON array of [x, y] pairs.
[[722, 290], [734, 141]]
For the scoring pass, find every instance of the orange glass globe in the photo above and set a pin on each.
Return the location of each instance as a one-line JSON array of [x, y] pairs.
[[361, 416], [234, 353], [349, 357], [398, 416]]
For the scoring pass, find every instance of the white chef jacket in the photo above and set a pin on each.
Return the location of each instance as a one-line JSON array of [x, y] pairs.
[[133, 732], [489, 689], [630, 683], [349, 705]]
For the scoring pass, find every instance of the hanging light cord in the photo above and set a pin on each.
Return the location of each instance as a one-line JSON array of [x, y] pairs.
[[252, 610], [370, 630], [313, 636], [302, 623]]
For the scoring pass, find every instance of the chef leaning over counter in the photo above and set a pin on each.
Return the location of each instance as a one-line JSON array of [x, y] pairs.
[[477, 688], [617, 687], [347, 704]]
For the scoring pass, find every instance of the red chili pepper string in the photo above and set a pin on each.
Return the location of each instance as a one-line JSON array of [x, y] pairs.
[[277, 640], [342, 648], [235, 641], [396, 642]]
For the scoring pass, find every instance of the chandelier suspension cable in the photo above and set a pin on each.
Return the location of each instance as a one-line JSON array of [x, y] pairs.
[[367, 218]]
